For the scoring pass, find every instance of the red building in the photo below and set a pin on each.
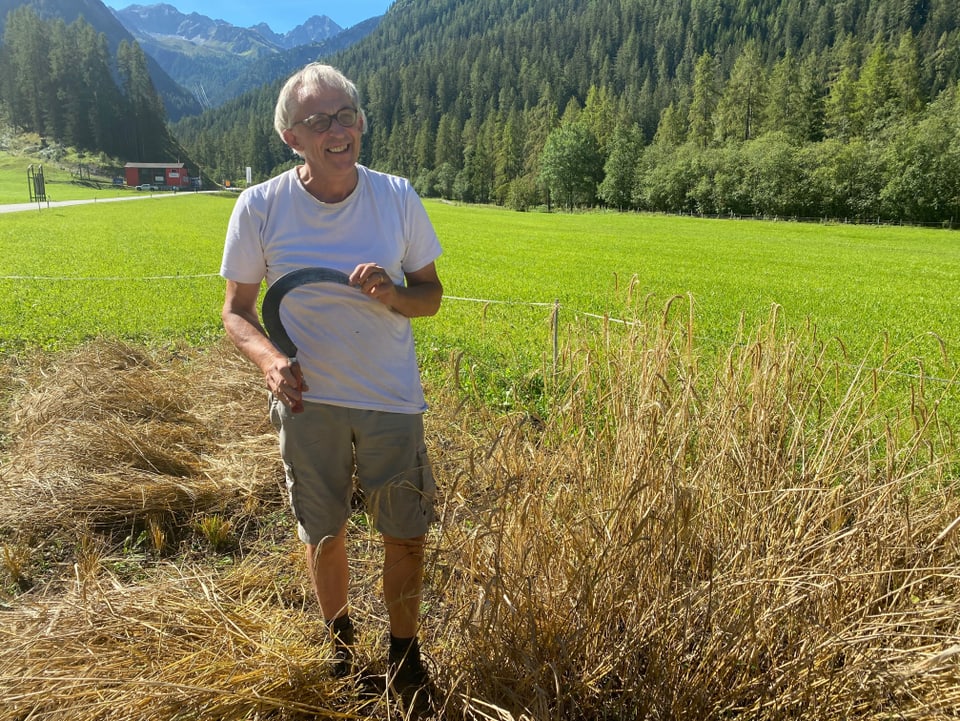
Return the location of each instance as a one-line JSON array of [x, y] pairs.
[[160, 175]]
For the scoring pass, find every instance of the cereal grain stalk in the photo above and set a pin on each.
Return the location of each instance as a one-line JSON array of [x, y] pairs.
[[754, 533]]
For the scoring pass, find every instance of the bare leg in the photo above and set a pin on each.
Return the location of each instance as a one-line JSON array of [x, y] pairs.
[[402, 583], [330, 575]]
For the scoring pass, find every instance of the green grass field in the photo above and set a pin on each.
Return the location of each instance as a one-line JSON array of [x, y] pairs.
[[147, 270], [137, 270]]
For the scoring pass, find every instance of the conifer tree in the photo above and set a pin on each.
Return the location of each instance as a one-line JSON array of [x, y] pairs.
[[739, 110], [779, 111], [600, 115], [703, 102], [875, 94], [145, 125], [841, 118], [29, 97], [103, 110], [447, 148], [672, 129], [907, 75], [616, 188], [508, 161]]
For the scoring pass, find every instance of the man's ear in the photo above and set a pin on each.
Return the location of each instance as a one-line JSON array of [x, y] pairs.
[[291, 139]]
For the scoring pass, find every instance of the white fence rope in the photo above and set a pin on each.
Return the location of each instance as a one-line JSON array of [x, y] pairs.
[[486, 301], [106, 278]]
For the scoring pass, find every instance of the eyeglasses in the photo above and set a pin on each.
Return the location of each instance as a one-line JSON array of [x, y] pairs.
[[321, 122]]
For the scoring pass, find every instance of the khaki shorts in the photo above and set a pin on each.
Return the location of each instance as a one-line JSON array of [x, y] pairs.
[[323, 447]]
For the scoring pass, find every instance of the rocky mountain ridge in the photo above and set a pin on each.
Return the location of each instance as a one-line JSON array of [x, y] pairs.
[[164, 24], [215, 60]]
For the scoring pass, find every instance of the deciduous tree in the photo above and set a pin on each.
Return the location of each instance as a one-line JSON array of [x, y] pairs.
[[572, 166]]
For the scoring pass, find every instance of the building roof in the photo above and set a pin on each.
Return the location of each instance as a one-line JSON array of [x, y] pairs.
[[154, 165]]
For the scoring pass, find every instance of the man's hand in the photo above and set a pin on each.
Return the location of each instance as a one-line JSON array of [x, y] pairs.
[[419, 296], [375, 282], [283, 376], [285, 381]]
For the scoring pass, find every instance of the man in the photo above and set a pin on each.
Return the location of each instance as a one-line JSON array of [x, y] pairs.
[[351, 401]]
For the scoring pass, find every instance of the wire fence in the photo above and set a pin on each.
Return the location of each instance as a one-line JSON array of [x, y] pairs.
[[557, 311]]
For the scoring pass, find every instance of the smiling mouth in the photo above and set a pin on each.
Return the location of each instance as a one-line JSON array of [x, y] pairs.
[[338, 149]]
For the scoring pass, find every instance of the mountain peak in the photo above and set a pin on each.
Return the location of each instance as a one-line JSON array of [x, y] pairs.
[[163, 19], [315, 29], [216, 59], [267, 32]]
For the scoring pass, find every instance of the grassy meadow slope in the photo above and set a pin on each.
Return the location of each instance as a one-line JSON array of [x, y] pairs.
[[67, 174], [738, 503]]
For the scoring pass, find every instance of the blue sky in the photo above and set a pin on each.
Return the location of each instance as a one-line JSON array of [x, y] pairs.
[[280, 15]]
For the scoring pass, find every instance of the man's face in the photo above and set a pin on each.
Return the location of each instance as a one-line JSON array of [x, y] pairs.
[[335, 150]]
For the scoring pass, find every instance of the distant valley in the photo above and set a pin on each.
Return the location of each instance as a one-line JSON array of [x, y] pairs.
[[195, 62], [216, 61]]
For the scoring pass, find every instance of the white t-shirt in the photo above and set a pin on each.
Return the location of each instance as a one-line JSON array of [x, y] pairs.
[[354, 351]]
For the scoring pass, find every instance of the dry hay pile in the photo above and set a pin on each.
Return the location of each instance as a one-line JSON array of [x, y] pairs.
[[149, 564], [676, 539], [113, 455], [111, 436]]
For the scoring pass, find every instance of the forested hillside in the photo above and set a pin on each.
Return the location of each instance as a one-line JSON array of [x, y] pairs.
[[176, 100], [57, 80], [779, 107], [772, 107]]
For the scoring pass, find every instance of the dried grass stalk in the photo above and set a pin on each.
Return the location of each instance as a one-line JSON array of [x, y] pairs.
[[747, 539], [110, 434], [755, 534]]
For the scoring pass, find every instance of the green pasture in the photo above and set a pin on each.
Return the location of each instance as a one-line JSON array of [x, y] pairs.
[[147, 270], [860, 286], [61, 179], [142, 269]]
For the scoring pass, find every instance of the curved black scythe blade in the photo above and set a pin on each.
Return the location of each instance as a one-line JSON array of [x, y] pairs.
[[270, 309]]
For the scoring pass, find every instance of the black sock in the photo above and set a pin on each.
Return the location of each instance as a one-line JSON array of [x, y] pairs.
[[404, 647], [406, 669], [341, 633], [341, 629]]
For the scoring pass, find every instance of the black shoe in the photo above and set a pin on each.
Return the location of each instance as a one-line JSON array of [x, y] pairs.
[[407, 673], [409, 679], [342, 666]]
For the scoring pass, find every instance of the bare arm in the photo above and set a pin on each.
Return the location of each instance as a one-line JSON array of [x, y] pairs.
[[242, 324], [420, 296]]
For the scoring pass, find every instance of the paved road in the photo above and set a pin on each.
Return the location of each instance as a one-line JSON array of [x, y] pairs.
[[18, 207]]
